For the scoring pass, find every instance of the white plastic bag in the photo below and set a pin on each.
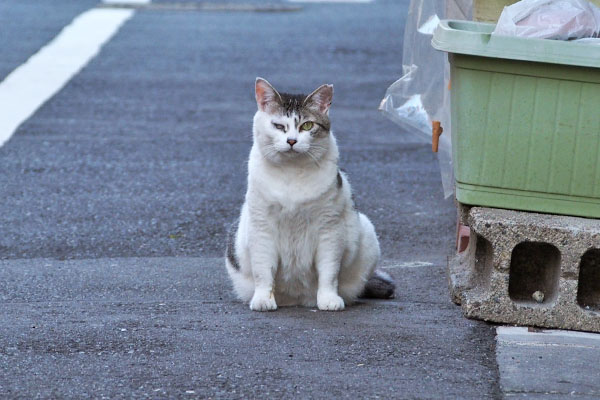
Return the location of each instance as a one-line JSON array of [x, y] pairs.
[[550, 19], [421, 96], [595, 41]]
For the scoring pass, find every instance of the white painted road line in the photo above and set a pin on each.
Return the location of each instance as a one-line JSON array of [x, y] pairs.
[[409, 264], [132, 2], [330, 1], [31, 84]]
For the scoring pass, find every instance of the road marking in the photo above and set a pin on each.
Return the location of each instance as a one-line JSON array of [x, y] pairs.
[[126, 1], [330, 1], [31, 84], [409, 264]]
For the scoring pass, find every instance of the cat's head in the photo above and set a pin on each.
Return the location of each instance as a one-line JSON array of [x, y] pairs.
[[288, 126]]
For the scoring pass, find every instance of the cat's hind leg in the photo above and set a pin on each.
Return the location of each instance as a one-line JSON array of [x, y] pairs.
[[355, 276], [243, 283], [243, 286]]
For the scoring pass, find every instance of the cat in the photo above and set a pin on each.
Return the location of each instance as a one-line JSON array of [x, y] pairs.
[[299, 240]]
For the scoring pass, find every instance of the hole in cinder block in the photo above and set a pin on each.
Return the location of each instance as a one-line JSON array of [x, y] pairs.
[[534, 273], [483, 262], [588, 291]]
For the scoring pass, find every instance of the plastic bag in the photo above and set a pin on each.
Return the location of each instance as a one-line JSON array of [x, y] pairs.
[[550, 19], [421, 95], [595, 41]]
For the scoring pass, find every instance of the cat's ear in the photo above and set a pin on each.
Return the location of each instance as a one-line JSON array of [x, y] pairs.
[[267, 97], [320, 99]]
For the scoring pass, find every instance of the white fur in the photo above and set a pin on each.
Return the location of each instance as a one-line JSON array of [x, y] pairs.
[[299, 240]]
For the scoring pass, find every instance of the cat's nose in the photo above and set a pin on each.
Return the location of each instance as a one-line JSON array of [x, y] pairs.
[[292, 142]]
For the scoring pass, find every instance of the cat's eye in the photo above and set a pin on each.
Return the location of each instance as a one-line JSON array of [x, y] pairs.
[[307, 126], [279, 126]]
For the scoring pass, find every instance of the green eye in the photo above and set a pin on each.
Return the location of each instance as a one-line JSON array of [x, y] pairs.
[[307, 126]]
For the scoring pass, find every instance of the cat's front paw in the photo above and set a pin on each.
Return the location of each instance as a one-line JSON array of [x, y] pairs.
[[263, 301], [330, 302]]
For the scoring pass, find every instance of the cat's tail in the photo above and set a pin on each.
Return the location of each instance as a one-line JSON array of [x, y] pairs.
[[380, 286]]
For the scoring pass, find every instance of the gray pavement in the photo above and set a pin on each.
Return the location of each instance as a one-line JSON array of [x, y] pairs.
[[143, 153], [117, 193], [156, 327], [548, 364]]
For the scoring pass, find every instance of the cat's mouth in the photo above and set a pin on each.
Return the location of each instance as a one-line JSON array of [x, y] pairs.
[[291, 151]]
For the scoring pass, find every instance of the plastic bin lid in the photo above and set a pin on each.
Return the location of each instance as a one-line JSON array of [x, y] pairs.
[[475, 38]]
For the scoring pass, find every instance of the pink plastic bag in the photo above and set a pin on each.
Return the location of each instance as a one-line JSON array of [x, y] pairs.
[[550, 19]]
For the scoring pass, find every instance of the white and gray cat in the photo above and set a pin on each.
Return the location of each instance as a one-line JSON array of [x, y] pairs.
[[299, 240]]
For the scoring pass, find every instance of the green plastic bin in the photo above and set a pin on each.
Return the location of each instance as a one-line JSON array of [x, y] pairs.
[[525, 120]]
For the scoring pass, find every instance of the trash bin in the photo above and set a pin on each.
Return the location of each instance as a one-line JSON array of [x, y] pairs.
[[525, 120]]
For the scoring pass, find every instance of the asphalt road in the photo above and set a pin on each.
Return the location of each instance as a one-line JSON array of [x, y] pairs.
[[117, 193], [27, 25]]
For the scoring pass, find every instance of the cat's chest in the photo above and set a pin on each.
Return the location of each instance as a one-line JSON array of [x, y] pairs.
[[292, 187], [297, 198], [296, 227], [296, 233], [295, 219]]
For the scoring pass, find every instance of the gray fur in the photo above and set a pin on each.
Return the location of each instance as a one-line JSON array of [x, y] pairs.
[[297, 103], [292, 103], [379, 286], [230, 252], [340, 181]]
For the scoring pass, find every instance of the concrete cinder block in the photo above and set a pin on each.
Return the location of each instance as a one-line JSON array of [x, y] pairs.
[[529, 269]]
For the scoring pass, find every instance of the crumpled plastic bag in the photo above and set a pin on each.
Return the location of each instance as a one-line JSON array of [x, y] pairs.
[[421, 96], [595, 41], [550, 19]]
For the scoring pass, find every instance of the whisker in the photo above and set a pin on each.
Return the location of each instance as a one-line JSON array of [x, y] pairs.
[[269, 154], [271, 150], [314, 159]]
